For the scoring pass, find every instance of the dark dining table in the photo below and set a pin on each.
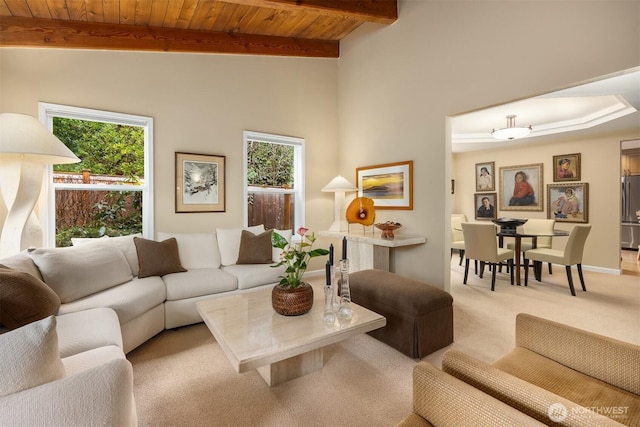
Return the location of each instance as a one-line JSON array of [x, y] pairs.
[[518, 236]]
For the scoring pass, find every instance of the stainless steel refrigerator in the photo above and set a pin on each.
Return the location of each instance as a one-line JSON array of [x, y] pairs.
[[630, 228]]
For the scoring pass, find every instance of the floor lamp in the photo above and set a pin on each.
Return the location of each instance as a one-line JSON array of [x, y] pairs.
[[26, 148], [339, 185]]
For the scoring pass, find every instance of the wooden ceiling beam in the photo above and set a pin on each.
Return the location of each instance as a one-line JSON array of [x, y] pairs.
[[21, 32], [380, 11]]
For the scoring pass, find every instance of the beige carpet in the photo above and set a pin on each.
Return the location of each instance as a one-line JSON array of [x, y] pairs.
[[182, 378]]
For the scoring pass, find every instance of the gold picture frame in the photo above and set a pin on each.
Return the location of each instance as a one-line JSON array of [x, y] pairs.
[[390, 185], [486, 176], [200, 183], [568, 202], [526, 194], [566, 167]]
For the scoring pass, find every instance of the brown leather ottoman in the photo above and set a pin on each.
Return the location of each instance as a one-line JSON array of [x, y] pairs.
[[419, 316]]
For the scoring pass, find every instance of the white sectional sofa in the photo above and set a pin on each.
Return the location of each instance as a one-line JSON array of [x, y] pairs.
[[115, 294]]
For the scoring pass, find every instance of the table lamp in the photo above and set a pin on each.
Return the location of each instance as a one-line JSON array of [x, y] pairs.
[[339, 185], [26, 148]]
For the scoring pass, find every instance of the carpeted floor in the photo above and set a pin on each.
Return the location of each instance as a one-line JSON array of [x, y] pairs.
[[182, 378]]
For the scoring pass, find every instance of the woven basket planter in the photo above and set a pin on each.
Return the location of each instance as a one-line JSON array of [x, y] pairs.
[[292, 302]]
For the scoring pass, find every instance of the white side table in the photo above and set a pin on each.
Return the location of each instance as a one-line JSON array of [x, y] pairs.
[[367, 250]]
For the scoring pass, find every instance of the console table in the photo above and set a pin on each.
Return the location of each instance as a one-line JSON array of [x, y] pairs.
[[367, 250]]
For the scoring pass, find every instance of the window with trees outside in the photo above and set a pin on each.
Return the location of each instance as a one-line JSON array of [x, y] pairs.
[[109, 193], [274, 180]]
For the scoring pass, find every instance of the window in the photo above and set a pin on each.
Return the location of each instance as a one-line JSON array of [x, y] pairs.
[[274, 180], [110, 191]]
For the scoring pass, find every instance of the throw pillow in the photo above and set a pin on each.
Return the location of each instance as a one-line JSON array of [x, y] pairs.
[[30, 357], [24, 298], [197, 250], [255, 248], [78, 271], [276, 252], [157, 258], [229, 242], [124, 243]]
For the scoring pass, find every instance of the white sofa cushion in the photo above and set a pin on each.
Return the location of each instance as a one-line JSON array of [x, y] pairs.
[[276, 252], [78, 271], [253, 275], [128, 300], [124, 243], [198, 282], [229, 242], [30, 357], [91, 358], [197, 250], [87, 329]]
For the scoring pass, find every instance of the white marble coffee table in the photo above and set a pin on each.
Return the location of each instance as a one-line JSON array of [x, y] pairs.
[[254, 336]]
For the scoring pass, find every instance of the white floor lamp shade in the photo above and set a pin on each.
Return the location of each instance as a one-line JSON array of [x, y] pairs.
[[26, 147], [339, 185]]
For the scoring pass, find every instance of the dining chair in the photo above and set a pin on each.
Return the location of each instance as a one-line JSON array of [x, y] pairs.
[[534, 226], [570, 255], [457, 239], [481, 245]]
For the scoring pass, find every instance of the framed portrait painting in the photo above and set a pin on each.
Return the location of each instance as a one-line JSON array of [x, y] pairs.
[[485, 176], [521, 188], [485, 205], [568, 202], [389, 185], [566, 167], [200, 183]]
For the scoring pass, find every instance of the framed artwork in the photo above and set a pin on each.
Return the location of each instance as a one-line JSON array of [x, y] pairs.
[[199, 183], [485, 205], [389, 185], [566, 167], [485, 176], [521, 188], [568, 202]]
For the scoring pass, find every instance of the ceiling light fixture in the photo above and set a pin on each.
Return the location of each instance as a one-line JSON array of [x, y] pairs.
[[511, 131]]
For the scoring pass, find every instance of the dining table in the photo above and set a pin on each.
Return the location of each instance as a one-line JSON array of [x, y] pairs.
[[518, 236]]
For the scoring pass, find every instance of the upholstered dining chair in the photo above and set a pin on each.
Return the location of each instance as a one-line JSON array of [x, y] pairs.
[[481, 244], [457, 239], [533, 226], [570, 255]]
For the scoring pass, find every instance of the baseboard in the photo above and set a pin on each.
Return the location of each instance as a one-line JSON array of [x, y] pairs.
[[614, 271]]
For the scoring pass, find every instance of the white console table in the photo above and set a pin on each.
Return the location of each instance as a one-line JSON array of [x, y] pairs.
[[367, 250]]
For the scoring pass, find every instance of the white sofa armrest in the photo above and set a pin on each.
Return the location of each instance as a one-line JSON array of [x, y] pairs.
[[99, 396]]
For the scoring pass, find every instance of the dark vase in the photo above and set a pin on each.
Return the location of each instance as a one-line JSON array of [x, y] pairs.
[[292, 301]]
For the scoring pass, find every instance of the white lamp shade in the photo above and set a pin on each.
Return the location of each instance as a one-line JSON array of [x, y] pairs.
[[339, 183], [23, 135]]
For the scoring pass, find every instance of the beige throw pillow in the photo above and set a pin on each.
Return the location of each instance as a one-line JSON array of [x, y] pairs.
[[229, 242], [78, 271], [157, 258], [255, 248], [24, 298], [30, 357], [197, 250]]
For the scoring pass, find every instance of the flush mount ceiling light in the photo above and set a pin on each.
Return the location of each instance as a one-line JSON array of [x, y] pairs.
[[511, 131]]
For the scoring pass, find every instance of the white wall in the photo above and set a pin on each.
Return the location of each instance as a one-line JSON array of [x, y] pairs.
[[398, 83], [200, 104]]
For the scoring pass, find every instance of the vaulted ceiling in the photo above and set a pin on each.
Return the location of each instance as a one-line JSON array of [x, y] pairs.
[[307, 28]]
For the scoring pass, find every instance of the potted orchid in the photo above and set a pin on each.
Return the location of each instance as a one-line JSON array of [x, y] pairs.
[[292, 296]]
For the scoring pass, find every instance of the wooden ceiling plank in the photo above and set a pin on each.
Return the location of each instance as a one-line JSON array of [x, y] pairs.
[[204, 15], [260, 21], [77, 10], [186, 13], [142, 15], [172, 14], [127, 13], [158, 13], [39, 9], [224, 16], [111, 11], [58, 9], [4, 9], [18, 8], [380, 11], [18, 31], [95, 10]]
